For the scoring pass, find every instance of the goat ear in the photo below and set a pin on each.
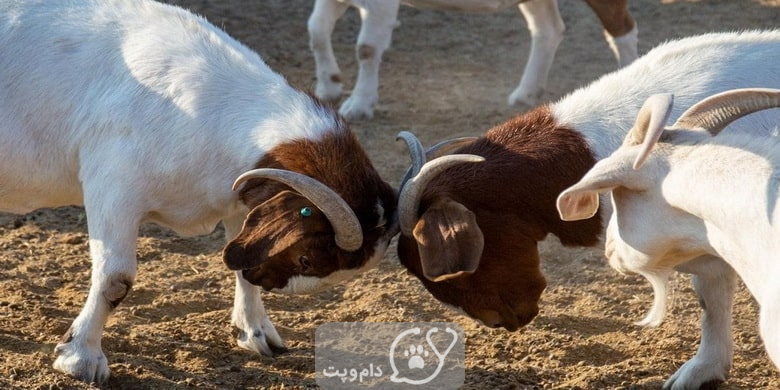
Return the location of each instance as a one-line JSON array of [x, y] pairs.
[[581, 201], [574, 205], [270, 229], [449, 241], [238, 257]]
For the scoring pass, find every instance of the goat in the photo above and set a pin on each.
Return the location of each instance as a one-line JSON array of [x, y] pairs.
[[144, 112], [470, 233], [379, 18], [700, 193]]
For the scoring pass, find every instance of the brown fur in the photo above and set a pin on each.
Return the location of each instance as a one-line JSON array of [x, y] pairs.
[[529, 161], [277, 242], [614, 16]]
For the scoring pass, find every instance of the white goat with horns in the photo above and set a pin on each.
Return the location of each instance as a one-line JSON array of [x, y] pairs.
[[702, 192]]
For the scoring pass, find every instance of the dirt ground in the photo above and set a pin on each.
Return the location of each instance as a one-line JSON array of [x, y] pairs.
[[446, 75]]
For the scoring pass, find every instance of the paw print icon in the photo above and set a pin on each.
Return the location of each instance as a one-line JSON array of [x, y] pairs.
[[416, 361], [416, 355]]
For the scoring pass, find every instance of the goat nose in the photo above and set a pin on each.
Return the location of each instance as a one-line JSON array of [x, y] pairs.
[[510, 322]]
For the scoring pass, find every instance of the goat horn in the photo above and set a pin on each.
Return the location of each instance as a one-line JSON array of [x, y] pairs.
[[409, 199], [448, 146], [349, 233], [650, 124], [415, 152], [651, 111], [716, 112], [439, 149]]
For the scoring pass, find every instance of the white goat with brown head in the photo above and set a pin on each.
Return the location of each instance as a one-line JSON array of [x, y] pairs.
[[690, 190], [143, 112]]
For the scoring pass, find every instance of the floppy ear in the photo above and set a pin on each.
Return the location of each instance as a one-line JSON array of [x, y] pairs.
[[449, 241], [574, 204], [239, 257], [271, 228], [581, 201], [252, 251]]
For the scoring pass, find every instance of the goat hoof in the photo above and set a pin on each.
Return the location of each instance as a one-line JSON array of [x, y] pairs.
[[90, 366], [258, 342], [355, 108], [697, 374]]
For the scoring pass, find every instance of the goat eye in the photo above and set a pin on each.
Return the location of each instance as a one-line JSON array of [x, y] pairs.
[[305, 263], [306, 211]]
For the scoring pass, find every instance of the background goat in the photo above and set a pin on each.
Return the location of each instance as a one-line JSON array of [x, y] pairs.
[[143, 112], [699, 193], [508, 201], [379, 18]]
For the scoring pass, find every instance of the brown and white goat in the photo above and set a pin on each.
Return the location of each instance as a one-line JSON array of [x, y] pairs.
[[379, 19], [470, 233], [143, 112]]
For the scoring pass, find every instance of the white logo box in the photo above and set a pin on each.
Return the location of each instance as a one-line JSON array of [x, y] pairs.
[[389, 355]]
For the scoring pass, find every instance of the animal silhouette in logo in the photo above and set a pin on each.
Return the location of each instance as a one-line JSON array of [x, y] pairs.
[[415, 354], [416, 361]]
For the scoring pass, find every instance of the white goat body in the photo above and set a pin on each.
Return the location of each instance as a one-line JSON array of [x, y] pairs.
[[379, 18], [143, 112], [735, 60], [692, 68], [695, 195]]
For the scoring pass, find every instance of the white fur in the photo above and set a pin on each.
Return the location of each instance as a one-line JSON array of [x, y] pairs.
[[142, 112], [691, 68], [379, 18], [300, 284], [697, 202]]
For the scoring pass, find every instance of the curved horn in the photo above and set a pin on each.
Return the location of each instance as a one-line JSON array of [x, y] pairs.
[[716, 112], [416, 152], [649, 125], [409, 199], [439, 149], [349, 233], [448, 146]]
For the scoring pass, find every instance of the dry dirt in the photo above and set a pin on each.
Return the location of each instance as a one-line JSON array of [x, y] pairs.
[[446, 75]]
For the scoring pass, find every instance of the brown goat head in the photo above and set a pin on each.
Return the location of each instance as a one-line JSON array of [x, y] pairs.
[[470, 233], [290, 241]]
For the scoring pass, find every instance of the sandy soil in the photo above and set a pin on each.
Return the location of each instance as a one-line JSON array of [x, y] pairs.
[[446, 75]]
